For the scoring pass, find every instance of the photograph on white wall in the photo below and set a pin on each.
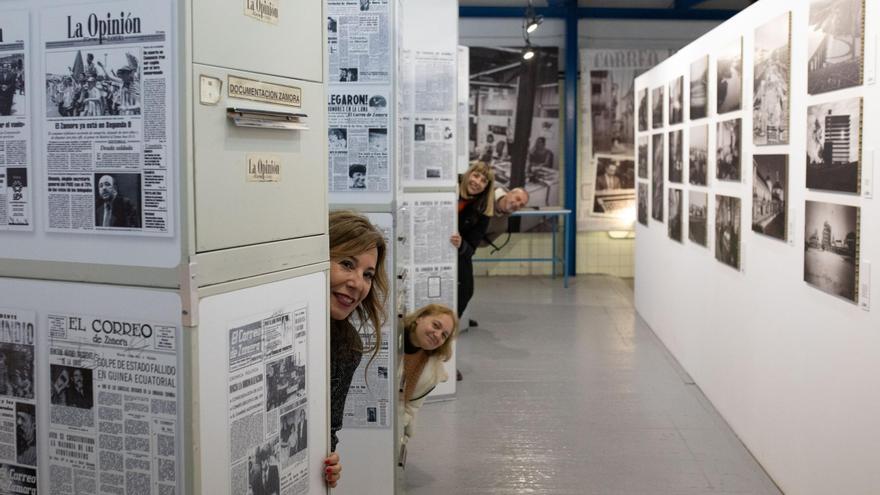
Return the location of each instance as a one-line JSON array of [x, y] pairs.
[[12, 85], [728, 150], [657, 108], [614, 192], [770, 195], [699, 88], [834, 138], [643, 109], [698, 155], [729, 80], [727, 230], [835, 45], [831, 248], [770, 101], [643, 204], [676, 100], [643, 157], [657, 178], [698, 213], [676, 156], [673, 226]]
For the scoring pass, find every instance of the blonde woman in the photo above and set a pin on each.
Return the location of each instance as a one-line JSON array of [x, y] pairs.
[[358, 286], [428, 335]]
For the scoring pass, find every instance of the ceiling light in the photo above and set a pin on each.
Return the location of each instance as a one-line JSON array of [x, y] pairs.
[[533, 22], [528, 52]]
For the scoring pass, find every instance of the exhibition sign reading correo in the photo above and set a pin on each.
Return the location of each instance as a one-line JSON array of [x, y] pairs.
[[278, 94]]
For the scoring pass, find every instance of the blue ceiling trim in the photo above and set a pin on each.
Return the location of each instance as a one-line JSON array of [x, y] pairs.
[[603, 13]]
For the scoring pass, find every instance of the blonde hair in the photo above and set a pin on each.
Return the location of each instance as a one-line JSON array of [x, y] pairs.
[[485, 200], [410, 321], [351, 234]]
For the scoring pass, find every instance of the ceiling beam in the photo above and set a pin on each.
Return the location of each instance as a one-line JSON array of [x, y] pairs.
[[686, 4], [602, 13]]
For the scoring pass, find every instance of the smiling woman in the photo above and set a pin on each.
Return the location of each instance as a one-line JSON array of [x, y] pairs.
[[358, 286]]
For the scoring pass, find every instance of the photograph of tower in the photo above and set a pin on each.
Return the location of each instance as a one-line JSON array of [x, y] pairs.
[[770, 195], [727, 230], [699, 88], [657, 108], [657, 177], [831, 248], [728, 150], [643, 109], [643, 156], [834, 145], [676, 100], [673, 227], [643, 204], [698, 155], [729, 78], [676, 156], [698, 217], [770, 103], [835, 45]]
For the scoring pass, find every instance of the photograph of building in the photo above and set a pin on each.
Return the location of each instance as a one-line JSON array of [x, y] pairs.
[[835, 45], [698, 217], [770, 101], [834, 145], [831, 248], [727, 230], [698, 155], [770, 195]]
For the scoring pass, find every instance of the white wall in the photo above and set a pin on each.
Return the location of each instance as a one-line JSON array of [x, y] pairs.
[[795, 371]]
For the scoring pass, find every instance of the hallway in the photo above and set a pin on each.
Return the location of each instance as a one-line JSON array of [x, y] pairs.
[[567, 391]]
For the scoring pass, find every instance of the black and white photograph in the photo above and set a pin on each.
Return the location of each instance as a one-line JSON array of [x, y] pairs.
[[614, 173], [348, 74], [698, 155], [657, 182], [676, 156], [673, 226], [611, 111], [643, 204], [831, 248], [338, 137], [118, 200], [294, 435], [729, 79], [377, 103], [17, 370], [643, 109], [699, 103], [834, 137], [377, 140], [332, 25], [698, 217], [71, 386], [770, 101], [770, 195], [357, 176], [727, 229], [263, 471], [676, 100], [419, 132], [728, 150], [97, 82], [284, 381], [25, 434], [835, 45], [364, 5], [657, 108], [12, 86], [643, 157]]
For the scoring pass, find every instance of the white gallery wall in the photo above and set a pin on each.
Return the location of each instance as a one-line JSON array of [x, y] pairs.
[[794, 370]]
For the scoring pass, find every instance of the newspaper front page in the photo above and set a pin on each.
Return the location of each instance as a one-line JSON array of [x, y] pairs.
[[359, 41], [358, 140], [18, 418], [431, 277], [114, 394], [16, 209], [107, 140], [268, 422]]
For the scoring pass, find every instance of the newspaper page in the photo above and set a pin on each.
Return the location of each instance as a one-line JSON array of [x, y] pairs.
[[268, 423], [108, 125], [431, 270], [114, 418], [16, 209], [433, 148], [432, 136], [405, 129], [359, 41], [18, 433], [358, 139]]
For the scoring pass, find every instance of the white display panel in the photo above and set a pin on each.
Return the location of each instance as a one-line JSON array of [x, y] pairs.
[[240, 417]]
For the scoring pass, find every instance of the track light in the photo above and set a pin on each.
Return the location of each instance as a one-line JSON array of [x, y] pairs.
[[533, 21], [528, 52]]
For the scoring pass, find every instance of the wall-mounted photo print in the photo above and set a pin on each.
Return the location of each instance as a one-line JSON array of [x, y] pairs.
[[834, 136], [770, 102], [676, 156], [698, 212], [657, 108], [727, 230], [643, 157], [728, 150], [698, 155], [657, 178], [831, 248], [729, 79], [835, 45], [673, 227], [643, 109], [699, 88], [12, 89], [770, 195], [676, 100], [643, 204]]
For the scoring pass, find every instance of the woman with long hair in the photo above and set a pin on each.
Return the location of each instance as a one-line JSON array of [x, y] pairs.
[[476, 205]]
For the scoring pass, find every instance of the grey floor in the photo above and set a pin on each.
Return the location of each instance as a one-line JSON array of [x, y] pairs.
[[570, 392]]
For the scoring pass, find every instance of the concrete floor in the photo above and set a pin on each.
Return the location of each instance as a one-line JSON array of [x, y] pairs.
[[567, 391]]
